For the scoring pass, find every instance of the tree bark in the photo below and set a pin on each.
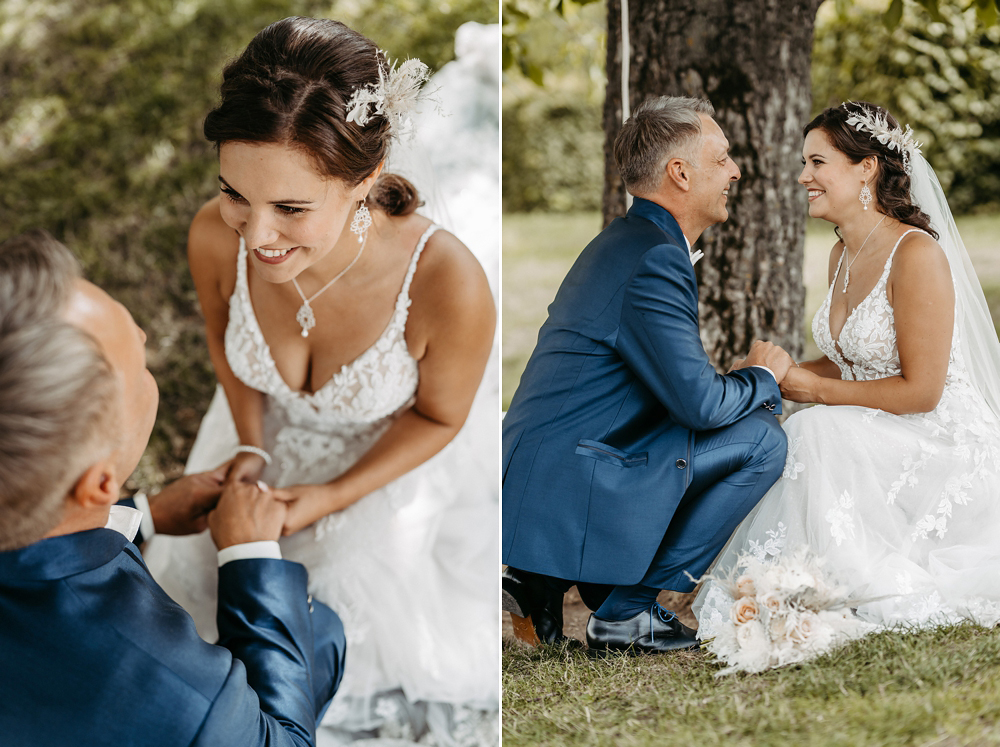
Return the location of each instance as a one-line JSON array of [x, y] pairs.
[[752, 61]]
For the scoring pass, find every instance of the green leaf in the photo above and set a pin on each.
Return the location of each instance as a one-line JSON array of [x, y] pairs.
[[933, 10], [536, 74], [893, 14], [986, 11]]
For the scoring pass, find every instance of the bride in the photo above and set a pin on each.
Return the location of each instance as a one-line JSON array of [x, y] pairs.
[[349, 335], [891, 479]]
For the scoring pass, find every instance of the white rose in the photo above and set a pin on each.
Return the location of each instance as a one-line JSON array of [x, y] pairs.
[[805, 628], [772, 602]]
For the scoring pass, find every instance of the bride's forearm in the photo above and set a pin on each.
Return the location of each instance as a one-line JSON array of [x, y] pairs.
[[822, 366], [410, 441], [893, 394]]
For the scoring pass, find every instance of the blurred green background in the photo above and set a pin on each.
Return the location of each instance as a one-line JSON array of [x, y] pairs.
[[941, 76], [101, 109]]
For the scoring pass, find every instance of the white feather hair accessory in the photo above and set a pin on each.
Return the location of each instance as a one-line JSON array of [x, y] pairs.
[[394, 97], [878, 127]]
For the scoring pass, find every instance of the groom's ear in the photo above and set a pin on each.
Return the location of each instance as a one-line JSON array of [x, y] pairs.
[[677, 174], [97, 487]]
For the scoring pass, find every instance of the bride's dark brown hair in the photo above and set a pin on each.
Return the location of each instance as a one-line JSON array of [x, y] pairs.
[[891, 187], [291, 86]]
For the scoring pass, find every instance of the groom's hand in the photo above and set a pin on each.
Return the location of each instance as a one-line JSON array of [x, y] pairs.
[[771, 356], [182, 507], [246, 513]]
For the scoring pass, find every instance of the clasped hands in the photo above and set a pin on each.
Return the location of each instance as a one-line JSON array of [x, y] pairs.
[[232, 502], [796, 383], [294, 507]]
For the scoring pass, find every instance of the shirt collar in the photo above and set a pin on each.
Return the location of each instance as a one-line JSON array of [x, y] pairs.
[[125, 520]]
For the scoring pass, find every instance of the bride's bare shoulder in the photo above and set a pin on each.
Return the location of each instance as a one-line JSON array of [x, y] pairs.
[[212, 246]]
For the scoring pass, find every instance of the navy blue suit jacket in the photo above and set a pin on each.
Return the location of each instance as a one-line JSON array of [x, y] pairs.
[[597, 440], [93, 652]]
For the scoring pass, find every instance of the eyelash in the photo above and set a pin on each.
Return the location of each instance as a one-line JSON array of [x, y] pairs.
[[236, 197]]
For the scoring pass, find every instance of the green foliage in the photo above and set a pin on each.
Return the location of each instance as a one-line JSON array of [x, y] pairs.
[[553, 137], [941, 77], [101, 107], [550, 144], [521, 20]]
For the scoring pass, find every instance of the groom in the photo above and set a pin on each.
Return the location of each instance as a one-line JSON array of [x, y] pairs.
[[627, 460], [92, 650]]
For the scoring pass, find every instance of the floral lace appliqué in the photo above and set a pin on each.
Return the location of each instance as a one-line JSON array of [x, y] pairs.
[[792, 467], [841, 519]]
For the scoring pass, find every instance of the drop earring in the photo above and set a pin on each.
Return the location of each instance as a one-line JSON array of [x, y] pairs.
[[866, 196], [361, 221]]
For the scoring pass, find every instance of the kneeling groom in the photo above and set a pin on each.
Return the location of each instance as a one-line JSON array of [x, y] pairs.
[[92, 650], [627, 460]]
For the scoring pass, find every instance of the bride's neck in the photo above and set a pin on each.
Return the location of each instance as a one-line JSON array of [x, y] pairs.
[[858, 228]]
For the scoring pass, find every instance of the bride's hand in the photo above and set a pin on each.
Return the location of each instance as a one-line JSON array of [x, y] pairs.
[[799, 385], [307, 504], [246, 467]]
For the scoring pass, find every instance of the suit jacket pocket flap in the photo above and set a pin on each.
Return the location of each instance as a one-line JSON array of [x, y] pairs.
[[605, 453]]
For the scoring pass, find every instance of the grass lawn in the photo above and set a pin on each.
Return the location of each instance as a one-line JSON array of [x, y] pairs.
[[539, 248], [938, 687]]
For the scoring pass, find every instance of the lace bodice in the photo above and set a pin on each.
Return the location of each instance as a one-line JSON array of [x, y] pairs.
[[315, 436], [866, 348]]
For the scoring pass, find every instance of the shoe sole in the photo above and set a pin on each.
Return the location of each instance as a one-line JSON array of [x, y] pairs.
[[603, 653], [524, 630]]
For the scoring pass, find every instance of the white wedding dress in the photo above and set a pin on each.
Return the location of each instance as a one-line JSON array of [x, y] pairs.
[[408, 567], [905, 509]]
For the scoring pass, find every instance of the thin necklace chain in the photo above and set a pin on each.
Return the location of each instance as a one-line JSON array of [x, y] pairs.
[[847, 272], [305, 316]]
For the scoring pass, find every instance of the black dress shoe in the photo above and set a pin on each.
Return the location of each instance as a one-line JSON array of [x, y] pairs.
[[653, 631], [535, 609]]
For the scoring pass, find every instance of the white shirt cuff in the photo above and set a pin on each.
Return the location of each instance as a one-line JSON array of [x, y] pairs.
[[146, 524], [769, 371], [247, 550]]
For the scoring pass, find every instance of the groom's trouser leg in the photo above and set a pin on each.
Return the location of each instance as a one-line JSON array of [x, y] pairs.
[[732, 469]]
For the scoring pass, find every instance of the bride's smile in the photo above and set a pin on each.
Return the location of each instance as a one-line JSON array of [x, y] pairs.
[[291, 216]]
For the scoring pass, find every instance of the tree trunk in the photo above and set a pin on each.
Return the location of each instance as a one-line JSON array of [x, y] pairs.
[[752, 61]]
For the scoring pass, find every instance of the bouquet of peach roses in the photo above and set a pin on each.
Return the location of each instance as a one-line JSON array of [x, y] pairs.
[[785, 610]]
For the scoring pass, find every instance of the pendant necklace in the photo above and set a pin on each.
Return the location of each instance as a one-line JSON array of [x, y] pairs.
[[847, 272], [305, 316]]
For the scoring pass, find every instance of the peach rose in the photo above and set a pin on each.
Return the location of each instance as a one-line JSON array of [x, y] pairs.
[[744, 610], [745, 587]]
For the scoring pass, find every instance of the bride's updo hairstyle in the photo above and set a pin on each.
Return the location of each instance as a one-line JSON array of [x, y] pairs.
[[891, 186], [291, 86]]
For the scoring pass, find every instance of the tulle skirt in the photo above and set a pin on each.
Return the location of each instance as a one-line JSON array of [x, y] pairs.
[[905, 510]]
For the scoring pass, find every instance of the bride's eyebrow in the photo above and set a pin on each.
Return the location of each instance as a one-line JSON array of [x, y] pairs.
[[227, 185]]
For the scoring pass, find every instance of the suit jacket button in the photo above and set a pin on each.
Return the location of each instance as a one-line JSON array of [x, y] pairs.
[[681, 463]]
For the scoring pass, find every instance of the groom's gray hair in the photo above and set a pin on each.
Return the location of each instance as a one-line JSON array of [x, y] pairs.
[[659, 129], [58, 394]]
